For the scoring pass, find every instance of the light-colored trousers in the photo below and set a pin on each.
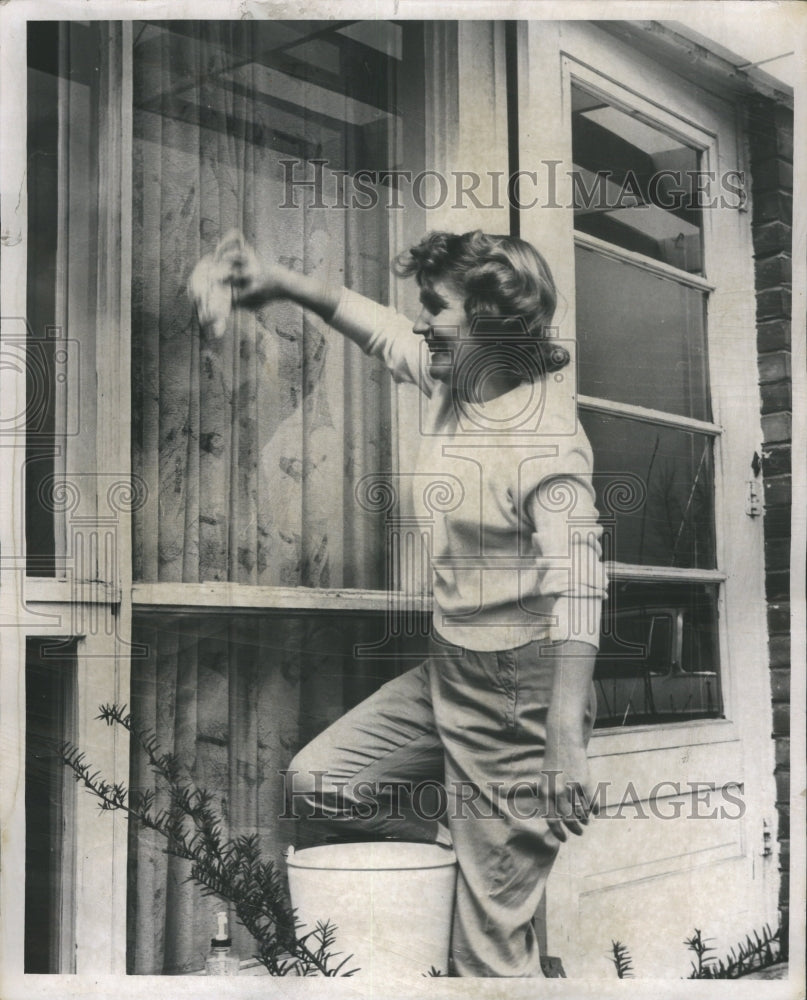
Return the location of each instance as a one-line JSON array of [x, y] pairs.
[[462, 734]]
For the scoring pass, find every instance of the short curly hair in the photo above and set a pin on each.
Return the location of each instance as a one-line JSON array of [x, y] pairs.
[[500, 276]]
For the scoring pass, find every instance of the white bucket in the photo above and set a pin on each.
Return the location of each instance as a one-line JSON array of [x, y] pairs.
[[390, 901]]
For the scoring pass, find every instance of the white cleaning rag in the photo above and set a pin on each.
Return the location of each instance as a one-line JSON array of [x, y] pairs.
[[209, 286]]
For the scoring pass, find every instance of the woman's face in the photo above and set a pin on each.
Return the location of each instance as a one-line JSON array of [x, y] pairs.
[[444, 326], [476, 365]]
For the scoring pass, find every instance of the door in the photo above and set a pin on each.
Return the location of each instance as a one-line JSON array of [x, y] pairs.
[[640, 208]]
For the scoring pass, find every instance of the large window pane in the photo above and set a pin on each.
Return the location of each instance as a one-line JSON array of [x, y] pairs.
[[251, 445], [658, 659], [635, 186], [234, 696], [655, 491], [642, 337]]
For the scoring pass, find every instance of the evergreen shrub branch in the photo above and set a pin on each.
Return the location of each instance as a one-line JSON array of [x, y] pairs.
[[750, 955], [231, 869], [623, 963], [747, 956]]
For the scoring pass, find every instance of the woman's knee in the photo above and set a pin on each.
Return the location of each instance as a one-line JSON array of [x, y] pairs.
[[307, 781], [307, 769]]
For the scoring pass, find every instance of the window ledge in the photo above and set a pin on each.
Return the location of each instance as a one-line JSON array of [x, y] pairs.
[[55, 590], [613, 741], [229, 596]]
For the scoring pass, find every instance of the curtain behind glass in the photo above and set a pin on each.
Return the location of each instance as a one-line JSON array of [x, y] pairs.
[[234, 696], [250, 446], [247, 445]]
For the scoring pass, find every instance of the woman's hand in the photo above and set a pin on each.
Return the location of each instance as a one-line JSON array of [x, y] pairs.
[[565, 783], [253, 282], [234, 275]]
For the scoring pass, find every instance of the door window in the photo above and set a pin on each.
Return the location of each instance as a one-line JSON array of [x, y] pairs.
[[643, 377]]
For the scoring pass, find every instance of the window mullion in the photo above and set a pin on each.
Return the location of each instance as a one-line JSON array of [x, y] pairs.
[[643, 413], [103, 652], [639, 260]]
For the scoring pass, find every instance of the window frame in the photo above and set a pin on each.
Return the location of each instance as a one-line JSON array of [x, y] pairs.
[[689, 133], [576, 73], [94, 613]]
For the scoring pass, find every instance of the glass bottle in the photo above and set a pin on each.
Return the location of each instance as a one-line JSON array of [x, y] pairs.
[[221, 959]]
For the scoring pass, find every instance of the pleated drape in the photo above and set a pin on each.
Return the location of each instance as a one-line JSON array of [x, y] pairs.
[[233, 696]]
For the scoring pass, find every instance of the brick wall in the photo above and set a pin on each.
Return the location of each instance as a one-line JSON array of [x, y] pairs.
[[771, 147]]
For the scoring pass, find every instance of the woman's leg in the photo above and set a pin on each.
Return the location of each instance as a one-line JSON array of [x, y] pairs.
[[353, 778], [490, 711]]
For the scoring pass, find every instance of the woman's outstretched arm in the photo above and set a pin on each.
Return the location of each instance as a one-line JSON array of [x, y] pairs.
[[376, 329], [255, 282]]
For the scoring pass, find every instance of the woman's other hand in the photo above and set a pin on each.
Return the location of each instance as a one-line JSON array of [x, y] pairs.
[[565, 784]]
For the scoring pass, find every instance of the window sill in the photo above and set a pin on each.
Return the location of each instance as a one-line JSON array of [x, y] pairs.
[[56, 590], [203, 597], [613, 741]]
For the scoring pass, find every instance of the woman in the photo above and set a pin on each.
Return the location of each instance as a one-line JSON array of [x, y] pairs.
[[502, 709]]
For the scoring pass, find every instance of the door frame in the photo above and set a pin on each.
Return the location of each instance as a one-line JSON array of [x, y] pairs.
[[737, 748]]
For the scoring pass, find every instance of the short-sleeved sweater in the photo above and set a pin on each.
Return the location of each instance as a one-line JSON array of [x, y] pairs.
[[504, 492]]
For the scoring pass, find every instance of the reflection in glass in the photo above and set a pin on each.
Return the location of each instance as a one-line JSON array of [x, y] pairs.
[[641, 337], [659, 656], [655, 491], [634, 185]]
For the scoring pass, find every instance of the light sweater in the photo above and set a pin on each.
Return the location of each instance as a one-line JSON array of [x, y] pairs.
[[503, 489]]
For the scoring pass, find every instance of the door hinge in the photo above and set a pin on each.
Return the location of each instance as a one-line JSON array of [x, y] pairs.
[[753, 500], [767, 840]]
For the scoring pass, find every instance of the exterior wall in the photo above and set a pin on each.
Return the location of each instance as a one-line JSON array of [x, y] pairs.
[[771, 147]]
